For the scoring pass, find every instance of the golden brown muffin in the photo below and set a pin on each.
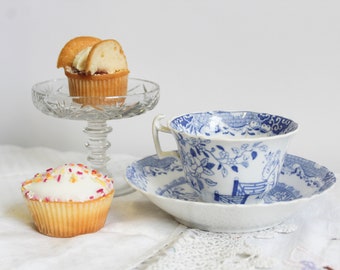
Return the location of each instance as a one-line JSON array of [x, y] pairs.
[[96, 69]]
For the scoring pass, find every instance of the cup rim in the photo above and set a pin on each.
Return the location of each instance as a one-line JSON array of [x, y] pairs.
[[235, 139]]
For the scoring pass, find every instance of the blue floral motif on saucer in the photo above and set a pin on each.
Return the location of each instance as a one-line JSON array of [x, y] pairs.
[[163, 182], [312, 179]]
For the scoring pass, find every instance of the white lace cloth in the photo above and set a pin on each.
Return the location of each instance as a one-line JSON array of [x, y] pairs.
[[138, 235], [285, 246], [196, 249]]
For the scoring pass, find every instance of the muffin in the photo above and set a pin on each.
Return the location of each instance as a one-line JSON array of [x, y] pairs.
[[69, 200], [95, 69]]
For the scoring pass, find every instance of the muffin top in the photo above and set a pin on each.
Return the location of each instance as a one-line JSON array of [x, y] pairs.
[[67, 183], [87, 55]]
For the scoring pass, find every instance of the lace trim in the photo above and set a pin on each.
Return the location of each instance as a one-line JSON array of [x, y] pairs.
[[196, 249]]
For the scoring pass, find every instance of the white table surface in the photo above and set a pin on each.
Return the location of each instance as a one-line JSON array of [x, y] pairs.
[[138, 235]]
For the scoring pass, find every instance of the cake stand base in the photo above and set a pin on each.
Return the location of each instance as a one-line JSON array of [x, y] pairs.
[[117, 167]]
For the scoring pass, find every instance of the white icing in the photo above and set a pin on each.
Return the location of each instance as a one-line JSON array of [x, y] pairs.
[[74, 182]]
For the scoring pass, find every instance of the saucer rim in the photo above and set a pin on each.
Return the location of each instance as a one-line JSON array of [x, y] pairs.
[[231, 218]]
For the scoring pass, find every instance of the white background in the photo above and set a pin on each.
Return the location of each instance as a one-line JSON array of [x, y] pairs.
[[281, 57]]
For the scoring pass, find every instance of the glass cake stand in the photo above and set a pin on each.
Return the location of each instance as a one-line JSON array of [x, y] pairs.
[[52, 98]]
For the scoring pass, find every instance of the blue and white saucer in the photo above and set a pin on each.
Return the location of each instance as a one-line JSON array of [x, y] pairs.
[[163, 182]]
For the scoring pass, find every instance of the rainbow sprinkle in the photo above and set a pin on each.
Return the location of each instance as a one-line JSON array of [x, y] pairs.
[[74, 174]]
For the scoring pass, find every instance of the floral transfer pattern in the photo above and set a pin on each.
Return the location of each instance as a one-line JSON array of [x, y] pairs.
[[233, 123], [139, 172], [291, 184], [202, 159]]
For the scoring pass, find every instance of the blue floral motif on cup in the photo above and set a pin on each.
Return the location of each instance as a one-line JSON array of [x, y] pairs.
[[233, 123], [205, 159]]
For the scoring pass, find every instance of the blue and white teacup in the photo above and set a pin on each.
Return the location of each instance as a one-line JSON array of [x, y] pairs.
[[230, 157]]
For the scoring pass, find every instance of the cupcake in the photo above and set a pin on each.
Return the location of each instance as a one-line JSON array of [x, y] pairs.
[[69, 200], [95, 68]]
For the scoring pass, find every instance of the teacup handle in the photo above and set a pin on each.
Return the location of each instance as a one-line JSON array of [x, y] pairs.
[[156, 128]]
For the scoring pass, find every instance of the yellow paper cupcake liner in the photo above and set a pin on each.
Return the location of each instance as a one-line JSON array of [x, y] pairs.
[[94, 90], [67, 219]]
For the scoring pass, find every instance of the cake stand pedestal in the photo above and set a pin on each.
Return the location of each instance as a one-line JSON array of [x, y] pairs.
[[53, 99]]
